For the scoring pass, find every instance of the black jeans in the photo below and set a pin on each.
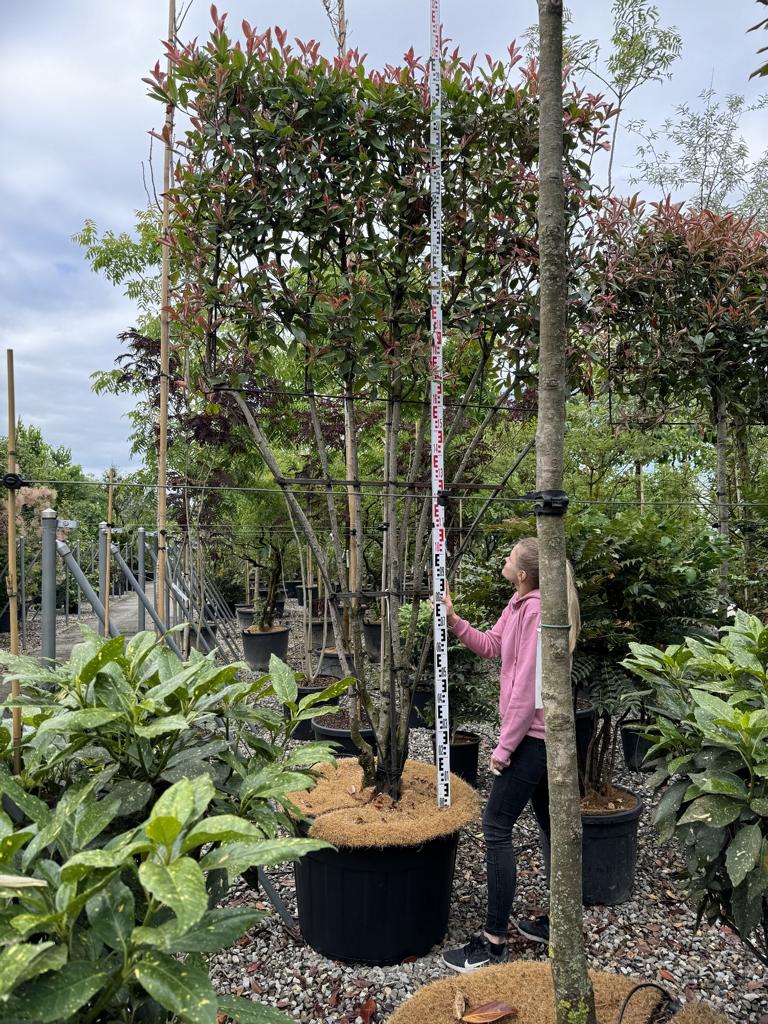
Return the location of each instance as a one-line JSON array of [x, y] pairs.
[[524, 779]]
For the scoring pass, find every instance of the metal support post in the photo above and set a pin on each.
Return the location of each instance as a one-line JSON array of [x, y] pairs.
[[50, 522], [66, 594], [79, 588], [140, 548], [102, 569], [133, 582], [82, 582]]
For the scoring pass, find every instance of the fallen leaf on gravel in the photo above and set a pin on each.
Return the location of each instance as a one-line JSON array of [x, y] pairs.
[[367, 1010], [667, 976], [333, 998], [409, 960], [251, 968], [459, 1004], [489, 1012]]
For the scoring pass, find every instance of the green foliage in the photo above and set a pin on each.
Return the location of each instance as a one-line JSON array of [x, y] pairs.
[[98, 935], [151, 719], [710, 698], [148, 787]]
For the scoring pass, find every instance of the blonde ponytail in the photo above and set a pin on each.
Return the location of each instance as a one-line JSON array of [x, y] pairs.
[[574, 611]]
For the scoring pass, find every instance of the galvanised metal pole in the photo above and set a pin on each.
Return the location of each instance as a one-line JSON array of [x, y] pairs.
[[140, 542], [79, 588], [102, 569], [66, 594], [84, 585], [23, 588], [50, 521]]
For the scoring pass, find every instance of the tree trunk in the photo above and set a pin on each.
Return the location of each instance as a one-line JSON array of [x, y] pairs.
[[743, 491], [639, 485], [723, 511], [574, 998]]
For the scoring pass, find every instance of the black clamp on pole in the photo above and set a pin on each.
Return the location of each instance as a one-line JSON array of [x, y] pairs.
[[442, 498], [13, 482], [549, 503]]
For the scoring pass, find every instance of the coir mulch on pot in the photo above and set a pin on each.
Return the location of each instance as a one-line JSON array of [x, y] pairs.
[[527, 987], [347, 814]]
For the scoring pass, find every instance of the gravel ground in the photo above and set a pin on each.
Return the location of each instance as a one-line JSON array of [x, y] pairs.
[[650, 937]]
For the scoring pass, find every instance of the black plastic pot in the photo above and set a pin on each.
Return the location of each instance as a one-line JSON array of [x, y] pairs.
[[331, 663], [465, 750], [301, 592], [290, 588], [5, 621], [585, 730], [318, 630], [244, 613], [376, 906], [341, 737], [259, 647], [421, 701], [609, 855], [372, 640], [635, 747], [205, 640], [303, 730]]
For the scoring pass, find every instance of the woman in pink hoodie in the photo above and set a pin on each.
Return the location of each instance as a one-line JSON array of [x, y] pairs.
[[519, 760]]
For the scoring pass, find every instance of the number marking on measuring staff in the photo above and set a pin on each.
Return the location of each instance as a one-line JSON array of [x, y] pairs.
[[442, 733]]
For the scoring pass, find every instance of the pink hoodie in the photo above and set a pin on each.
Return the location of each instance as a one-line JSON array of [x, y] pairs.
[[515, 637]]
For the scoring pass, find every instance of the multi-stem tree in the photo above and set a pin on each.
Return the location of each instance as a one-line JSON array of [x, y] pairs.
[[300, 233]]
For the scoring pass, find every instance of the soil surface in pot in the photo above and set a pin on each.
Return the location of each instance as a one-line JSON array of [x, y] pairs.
[[464, 739], [613, 799], [340, 719], [271, 629], [318, 683], [527, 988], [348, 814]]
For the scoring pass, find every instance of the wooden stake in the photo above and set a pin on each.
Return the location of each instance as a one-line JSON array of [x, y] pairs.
[[11, 579], [162, 454], [108, 566]]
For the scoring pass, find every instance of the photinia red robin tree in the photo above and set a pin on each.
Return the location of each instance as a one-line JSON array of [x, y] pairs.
[[683, 305], [300, 234]]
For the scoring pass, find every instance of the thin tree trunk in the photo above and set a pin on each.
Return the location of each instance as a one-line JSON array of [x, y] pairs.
[[744, 488], [639, 485], [723, 510], [574, 999]]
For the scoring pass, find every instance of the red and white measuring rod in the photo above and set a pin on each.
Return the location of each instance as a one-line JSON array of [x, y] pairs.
[[442, 733]]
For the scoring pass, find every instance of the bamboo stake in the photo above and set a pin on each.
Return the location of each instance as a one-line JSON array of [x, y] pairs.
[[11, 579], [162, 454], [108, 566]]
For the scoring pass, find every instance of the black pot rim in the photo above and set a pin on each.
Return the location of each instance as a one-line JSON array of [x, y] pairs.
[[275, 631], [618, 816], [336, 731]]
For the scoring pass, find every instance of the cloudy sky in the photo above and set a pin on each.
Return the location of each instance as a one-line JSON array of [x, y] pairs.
[[74, 117]]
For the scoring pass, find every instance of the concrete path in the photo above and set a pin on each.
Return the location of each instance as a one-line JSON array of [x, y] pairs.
[[123, 612]]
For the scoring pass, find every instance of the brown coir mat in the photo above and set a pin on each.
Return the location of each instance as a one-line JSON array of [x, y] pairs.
[[699, 1013], [347, 814], [528, 988]]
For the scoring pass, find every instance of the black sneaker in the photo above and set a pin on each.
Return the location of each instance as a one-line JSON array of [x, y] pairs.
[[478, 952], [535, 928]]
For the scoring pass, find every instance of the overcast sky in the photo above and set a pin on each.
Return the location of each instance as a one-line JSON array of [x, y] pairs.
[[74, 117]]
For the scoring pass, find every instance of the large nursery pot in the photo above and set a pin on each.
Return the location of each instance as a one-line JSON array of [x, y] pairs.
[[464, 752], [330, 662], [609, 851], [372, 640], [260, 646], [635, 746], [303, 730], [203, 640], [289, 586], [301, 594], [384, 893], [336, 729], [244, 613], [322, 633]]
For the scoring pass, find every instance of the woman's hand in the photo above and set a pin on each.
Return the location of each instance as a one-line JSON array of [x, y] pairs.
[[450, 614], [497, 767]]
